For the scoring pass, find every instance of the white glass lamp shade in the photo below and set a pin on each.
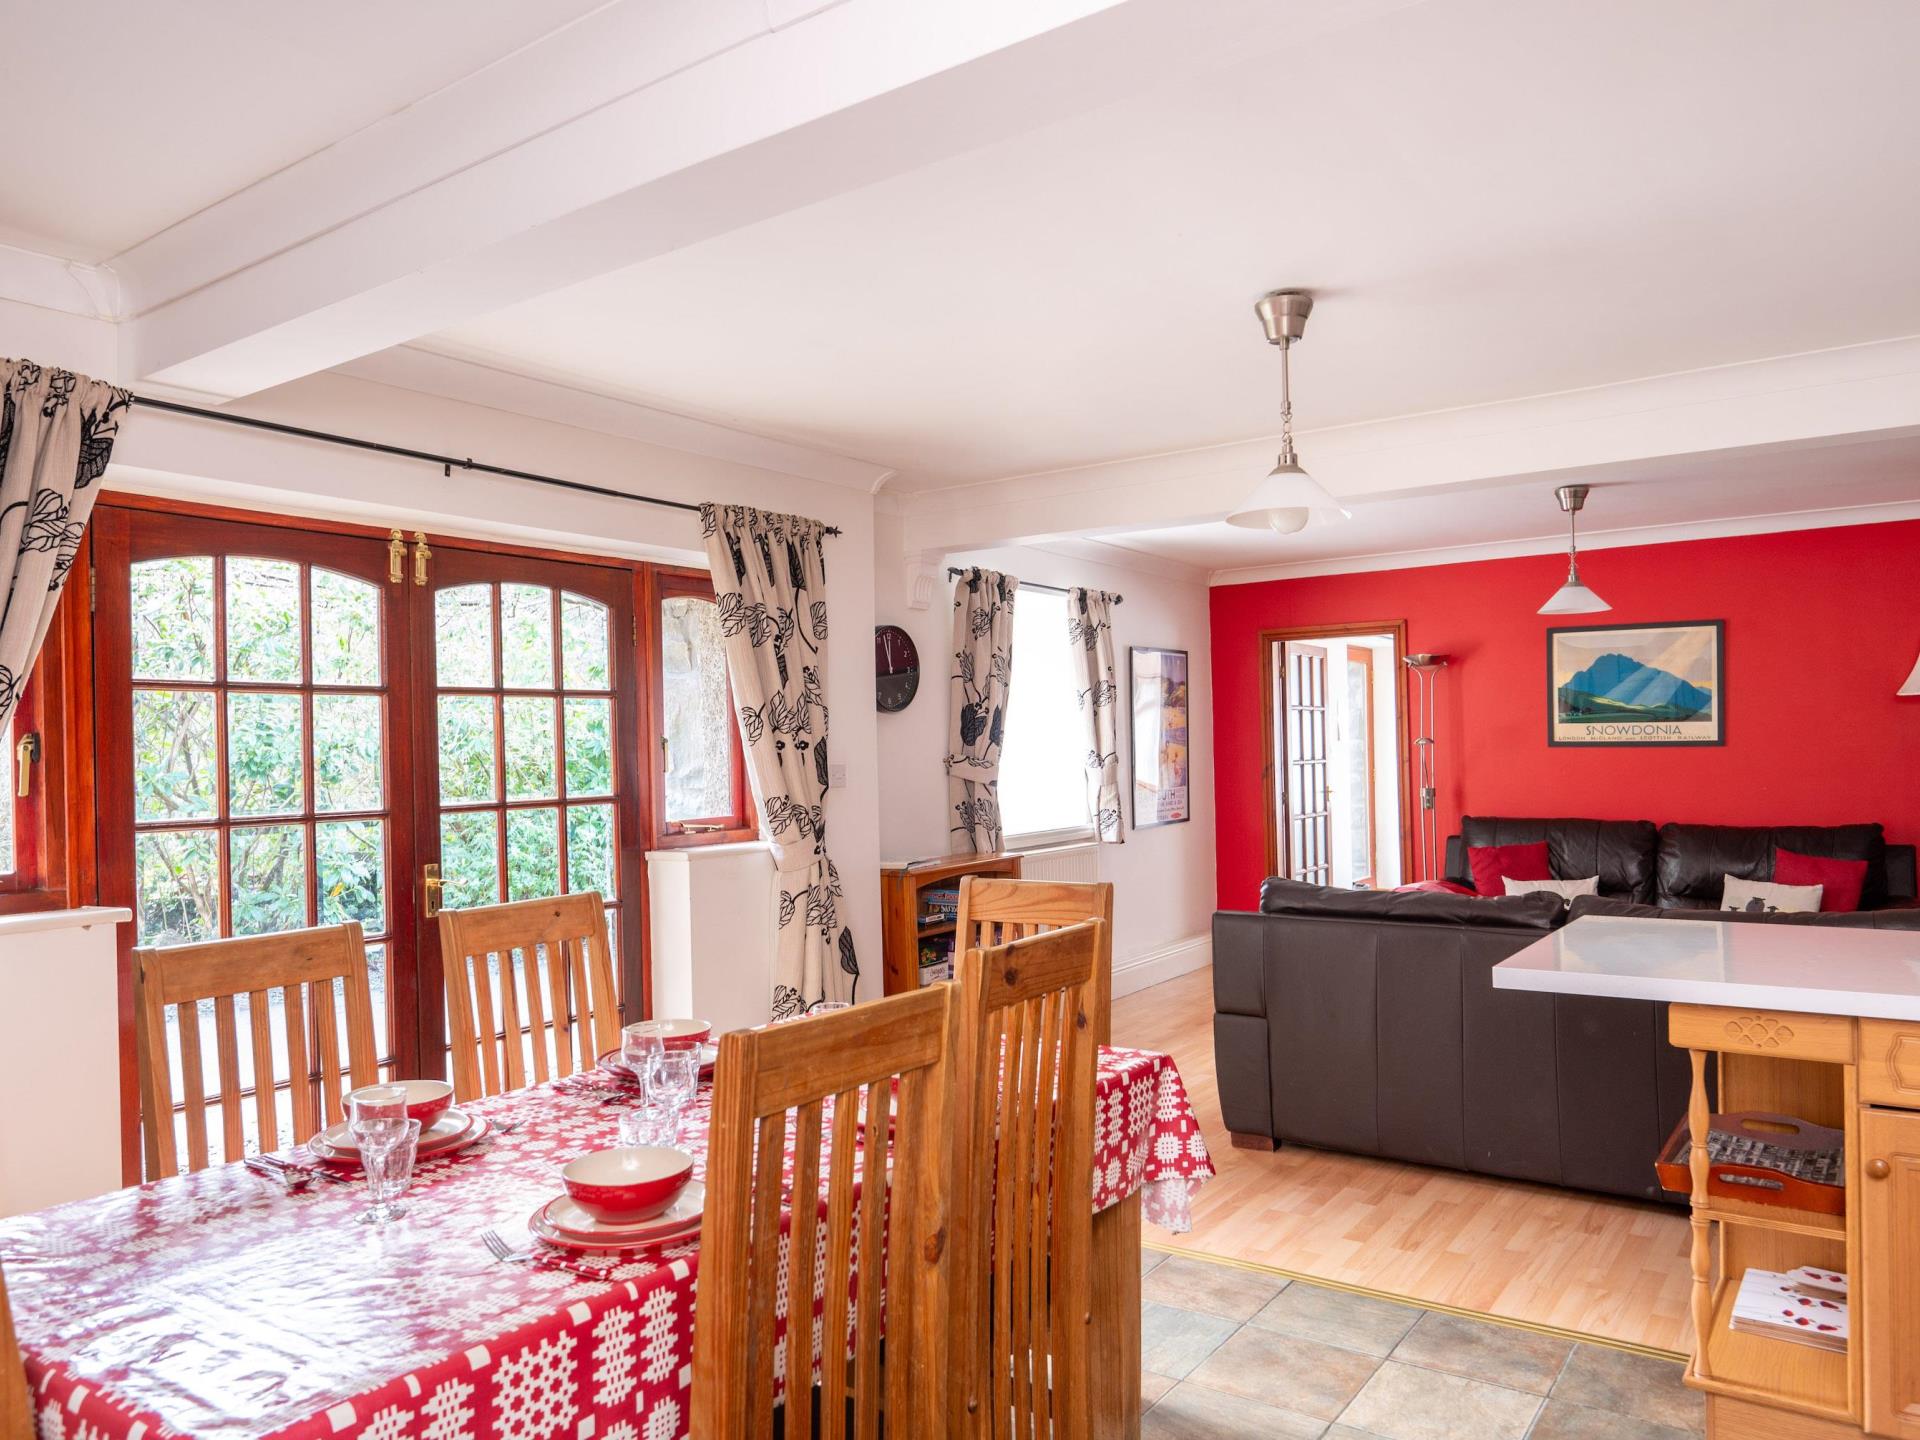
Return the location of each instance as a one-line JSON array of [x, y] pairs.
[[1288, 501], [1573, 598], [1912, 687]]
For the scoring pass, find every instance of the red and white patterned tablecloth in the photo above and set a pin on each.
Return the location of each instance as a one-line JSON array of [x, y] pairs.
[[218, 1305]]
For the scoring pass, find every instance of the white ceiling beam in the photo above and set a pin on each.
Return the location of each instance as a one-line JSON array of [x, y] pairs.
[[1857, 391], [644, 127]]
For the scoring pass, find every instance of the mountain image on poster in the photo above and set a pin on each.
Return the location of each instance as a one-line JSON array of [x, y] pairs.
[[1618, 687]]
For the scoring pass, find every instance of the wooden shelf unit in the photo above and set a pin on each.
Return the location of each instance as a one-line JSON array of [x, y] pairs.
[[1776, 1372], [901, 909]]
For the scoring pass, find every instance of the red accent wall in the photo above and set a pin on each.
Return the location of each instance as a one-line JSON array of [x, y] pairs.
[[1821, 628]]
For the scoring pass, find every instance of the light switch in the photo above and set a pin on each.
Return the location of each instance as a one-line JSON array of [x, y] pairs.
[[836, 776]]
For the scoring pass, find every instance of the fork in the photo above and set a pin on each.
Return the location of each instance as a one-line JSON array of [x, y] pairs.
[[502, 1249]]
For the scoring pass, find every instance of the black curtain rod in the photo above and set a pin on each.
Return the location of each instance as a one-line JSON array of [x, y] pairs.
[[447, 463], [954, 572]]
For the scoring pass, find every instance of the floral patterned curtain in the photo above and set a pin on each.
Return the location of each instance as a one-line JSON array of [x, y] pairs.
[[1090, 634], [982, 666], [770, 581], [56, 435]]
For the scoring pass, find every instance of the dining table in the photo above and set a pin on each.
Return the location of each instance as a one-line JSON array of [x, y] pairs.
[[225, 1303]]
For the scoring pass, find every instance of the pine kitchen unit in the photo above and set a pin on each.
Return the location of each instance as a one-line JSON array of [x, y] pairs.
[[1822, 1024]]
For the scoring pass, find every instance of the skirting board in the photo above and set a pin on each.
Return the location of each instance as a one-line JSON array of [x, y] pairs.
[[1179, 958]]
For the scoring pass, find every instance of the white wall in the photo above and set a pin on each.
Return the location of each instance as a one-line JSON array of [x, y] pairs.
[[1163, 878]]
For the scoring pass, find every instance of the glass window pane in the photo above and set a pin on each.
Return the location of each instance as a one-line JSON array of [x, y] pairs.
[[466, 749], [263, 620], [583, 639], [469, 863], [590, 848], [533, 853], [463, 635], [589, 747], [175, 773], [1042, 775], [8, 858], [377, 983], [347, 752], [350, 862], [526, 636], [699, 726], [266, 754], [269, 878], [346, 630], [176, 886], [173, 619], [529, 747]]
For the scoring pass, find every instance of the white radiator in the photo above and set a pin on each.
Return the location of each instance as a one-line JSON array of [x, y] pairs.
[[1062, 862]]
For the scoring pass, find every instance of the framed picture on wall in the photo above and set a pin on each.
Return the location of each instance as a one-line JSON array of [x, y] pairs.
[[1637, 684], [1161, 793]]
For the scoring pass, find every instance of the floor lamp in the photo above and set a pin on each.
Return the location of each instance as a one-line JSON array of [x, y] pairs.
[[1423, 667]]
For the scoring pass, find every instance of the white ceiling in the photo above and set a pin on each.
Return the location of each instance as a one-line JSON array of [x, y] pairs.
[[137, 115], [1492, 198], [1629, 505]]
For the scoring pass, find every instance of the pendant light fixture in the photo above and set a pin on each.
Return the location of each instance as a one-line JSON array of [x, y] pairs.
[[1289, 499], [1573, 598]]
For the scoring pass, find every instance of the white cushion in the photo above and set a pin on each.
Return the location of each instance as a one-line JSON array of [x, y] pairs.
[[1765, 898], [1565, 889]]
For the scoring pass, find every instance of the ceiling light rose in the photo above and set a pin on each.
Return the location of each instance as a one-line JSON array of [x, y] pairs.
[[1289, 499], [1573, 598]]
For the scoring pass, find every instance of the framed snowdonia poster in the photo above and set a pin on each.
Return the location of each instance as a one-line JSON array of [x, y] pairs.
[[1637, 684], [1160, 774]]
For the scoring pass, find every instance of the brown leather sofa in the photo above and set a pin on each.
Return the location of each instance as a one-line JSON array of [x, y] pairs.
[[1367, 1021]]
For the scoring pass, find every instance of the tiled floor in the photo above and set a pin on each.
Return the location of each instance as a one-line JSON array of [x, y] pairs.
[[1229, 1351]]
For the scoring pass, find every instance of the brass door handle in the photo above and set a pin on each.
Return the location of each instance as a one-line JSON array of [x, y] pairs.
[[1878, 1169], [434, 887]]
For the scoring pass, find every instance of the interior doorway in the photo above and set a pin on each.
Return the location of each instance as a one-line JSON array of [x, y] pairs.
[[1336, 773]]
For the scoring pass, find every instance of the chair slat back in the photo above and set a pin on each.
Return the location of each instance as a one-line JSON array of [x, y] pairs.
[[887, 1064], [16, 1399], [530, 991], [994, 910], [1024, 1078], [302, 966]]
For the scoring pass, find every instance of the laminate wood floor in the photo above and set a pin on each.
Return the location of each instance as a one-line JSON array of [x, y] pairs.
[[1532, 1253]]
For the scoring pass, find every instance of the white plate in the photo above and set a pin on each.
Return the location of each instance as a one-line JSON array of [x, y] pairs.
[[467, 1130], [562, 1221]]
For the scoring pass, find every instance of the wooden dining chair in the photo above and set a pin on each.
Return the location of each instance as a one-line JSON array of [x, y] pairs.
[[16, 1399], [503, 1018], [1024, 1071], [994, 910], [303, 966], [891, 1058]]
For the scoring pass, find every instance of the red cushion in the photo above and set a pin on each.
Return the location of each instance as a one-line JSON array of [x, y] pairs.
[[1843, 879], [1437, 887], [1493, 863]]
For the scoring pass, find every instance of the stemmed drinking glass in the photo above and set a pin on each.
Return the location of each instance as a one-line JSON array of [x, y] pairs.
[[640, 1044], [672, 1083], [388, 1142]]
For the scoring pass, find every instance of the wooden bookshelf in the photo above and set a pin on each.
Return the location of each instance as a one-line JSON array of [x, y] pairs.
[[902, 908]]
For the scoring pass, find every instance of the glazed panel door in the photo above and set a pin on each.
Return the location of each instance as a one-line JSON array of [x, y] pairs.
[[252, 748], [1309, 784], [527, 730]]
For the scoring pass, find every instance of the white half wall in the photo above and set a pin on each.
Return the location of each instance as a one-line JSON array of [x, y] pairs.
[[1163, 878]]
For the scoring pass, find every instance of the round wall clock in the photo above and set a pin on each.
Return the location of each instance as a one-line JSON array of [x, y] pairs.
[[896, 667]]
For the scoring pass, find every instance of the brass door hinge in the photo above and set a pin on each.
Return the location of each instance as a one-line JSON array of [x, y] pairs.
[[396, 557], [421, 554]]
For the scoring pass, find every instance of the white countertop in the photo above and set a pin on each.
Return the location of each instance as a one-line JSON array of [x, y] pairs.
[[1815, 970]]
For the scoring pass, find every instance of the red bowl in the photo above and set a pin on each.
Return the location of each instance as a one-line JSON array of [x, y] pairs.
[[630, 1182], [684, 1034], [427, 1100]]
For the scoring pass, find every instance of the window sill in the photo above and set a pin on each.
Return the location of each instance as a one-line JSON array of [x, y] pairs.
[[680, 840], [708, 851], [1049, 840]]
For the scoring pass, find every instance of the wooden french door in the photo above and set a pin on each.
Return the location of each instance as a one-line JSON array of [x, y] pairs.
[[252, 746], [526, 733], [1309, 784], [291, 727]]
